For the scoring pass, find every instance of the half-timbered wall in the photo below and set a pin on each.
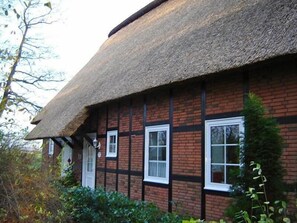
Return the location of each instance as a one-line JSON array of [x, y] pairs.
[[185, 108]]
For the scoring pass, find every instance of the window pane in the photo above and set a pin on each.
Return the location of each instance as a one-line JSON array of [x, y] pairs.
[[217, 174], [112, 148], [232, 173], [153, 153], [217, 135], [217, 154], [162, 153], [162, 169], [162, 138], [90, 159], [232, 134], [90, 167], [112, 139], [153, 138], [90, 151], [153, 169], [232, 154]]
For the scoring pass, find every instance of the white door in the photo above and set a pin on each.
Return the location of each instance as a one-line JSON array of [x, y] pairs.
[[89, 163], [66, 159]]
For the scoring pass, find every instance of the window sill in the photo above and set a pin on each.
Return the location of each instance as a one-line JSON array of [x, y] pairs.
[[222, 188], [156, 181], [111, 157], [155, 184]]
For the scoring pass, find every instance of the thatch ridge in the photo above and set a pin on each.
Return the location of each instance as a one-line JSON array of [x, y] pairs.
[[179, 40], [136, 15]]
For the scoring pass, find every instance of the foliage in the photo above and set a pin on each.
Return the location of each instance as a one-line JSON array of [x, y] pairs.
[[263, 211], [87, 205], [14, 138], [68, 180], [262, 144], [192, 220], [27, 193]]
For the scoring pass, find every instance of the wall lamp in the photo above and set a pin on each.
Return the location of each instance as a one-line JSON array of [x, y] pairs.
[[96, 144]]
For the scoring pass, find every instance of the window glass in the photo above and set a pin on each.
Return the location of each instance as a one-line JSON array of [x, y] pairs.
[[222, 152], [217, 154], [90, 159], [156, 154], [232, 134], [51, 146], [217, 173], [162, 153], [217, 135], [162, 138], [232, 171], [232, 154], [153, 155], [153, 138]]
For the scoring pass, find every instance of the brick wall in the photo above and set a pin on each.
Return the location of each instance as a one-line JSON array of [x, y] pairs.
[[186, 198], [136, 152], [123, 152], [224, 95], [77, 160], [186, 153], [136, 187], [215, 206], [123, 184], [187, 105], [158, 106], [158, 195]]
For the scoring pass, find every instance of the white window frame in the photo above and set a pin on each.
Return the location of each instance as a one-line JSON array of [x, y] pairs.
[[162, 180], [51, 147], [112, 133], [208, 124]]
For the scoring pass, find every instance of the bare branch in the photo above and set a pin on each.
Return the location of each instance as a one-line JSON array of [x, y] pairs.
[[22, 59], [23, 100]]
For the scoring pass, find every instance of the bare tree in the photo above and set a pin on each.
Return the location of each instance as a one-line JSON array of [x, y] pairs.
[[24, 56]]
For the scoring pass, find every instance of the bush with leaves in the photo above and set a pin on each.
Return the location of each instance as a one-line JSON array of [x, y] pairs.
[[87, 205], [69, 179], [263, 210], [27, 194]]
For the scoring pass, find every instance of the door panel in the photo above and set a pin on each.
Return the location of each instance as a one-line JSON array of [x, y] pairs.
[[89, 163]]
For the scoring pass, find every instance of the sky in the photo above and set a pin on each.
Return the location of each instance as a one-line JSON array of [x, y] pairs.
[[83, 27]]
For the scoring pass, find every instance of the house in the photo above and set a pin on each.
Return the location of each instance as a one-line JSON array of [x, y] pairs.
[[161, 82]]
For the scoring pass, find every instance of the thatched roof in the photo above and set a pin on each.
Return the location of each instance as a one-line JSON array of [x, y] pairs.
[[176, 41]]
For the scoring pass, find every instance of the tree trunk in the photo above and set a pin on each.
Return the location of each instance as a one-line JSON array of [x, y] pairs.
[[7, 88]]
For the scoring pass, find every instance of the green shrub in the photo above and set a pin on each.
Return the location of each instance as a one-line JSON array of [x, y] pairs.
[[87, 205], [263, 144]]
